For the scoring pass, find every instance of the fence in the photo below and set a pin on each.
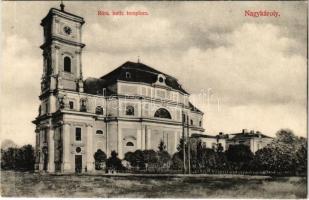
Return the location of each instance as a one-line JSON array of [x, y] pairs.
[[210, 171]]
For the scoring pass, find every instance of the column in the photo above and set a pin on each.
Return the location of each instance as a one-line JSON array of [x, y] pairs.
[[51, 151], [90, 158], [40, 150], [66, 148], [37, 148]]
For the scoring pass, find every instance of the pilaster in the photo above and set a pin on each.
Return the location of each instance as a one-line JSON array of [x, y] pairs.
[[56, 57], [119, 142], [66, 148], [139, 139], [143, 137], [51, 151], [52, 103], [176, 140], [90, 158], [148, 132]]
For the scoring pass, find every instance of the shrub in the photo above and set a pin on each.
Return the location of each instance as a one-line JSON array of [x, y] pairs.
[[99, 158], [113, 162]]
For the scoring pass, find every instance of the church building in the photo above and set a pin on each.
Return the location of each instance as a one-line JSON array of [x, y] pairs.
[[132, 107]]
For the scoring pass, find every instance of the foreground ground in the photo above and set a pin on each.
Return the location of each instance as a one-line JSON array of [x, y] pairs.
[[18, 184]]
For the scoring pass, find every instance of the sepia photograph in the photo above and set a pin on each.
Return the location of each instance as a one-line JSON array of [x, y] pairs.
[[154, 99]]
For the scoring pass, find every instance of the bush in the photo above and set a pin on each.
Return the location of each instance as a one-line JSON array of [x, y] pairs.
[[177, 162], [113, 162], [239, 156], [99, 158], [287, 153], [136, 159]]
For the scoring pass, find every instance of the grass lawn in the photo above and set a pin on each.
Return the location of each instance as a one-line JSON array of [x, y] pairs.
[[18, 184]]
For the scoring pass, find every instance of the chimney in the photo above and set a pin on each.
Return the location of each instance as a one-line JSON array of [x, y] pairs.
[[259, 134], [244, 130], [252, 132], [220, 133]]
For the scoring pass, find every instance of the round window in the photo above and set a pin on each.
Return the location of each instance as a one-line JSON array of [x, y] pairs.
[[160, 79], [78, 149]]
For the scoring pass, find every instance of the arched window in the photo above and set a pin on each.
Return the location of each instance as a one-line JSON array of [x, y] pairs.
[[99, 132], [200, 123], [163, 113], [129, 144], [67, 64], [130, 110], [128, 75], [83, 107], [99, 110], [49, 67], [71, 104], [191, 122]]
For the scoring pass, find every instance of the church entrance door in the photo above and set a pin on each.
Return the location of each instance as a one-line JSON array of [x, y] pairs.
[[78, 163]]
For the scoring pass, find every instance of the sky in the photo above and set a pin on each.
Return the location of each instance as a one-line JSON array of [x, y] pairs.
[[242, 72]]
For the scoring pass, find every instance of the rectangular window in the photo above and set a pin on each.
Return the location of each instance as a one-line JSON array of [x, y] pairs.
[[45, 136], [71, 103], [78, 134], [46, 108]]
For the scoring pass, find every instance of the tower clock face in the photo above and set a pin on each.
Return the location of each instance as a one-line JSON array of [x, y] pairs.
[[67, 30]]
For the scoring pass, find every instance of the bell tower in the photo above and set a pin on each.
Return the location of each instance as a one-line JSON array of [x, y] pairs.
[[62, 48], [62, 70]]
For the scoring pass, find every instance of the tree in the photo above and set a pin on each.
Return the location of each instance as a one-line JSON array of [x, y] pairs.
[[114, 162], [182, 144], [142, 159], [239, 156], [18, 158], [164, 157], [99, 158], [8, 158], [136, 159], [301, 159], [285, 136], [5, 144], [26, 158], [150, 156], [287, 153], [162, 146], [177, 162], [219, 148]]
